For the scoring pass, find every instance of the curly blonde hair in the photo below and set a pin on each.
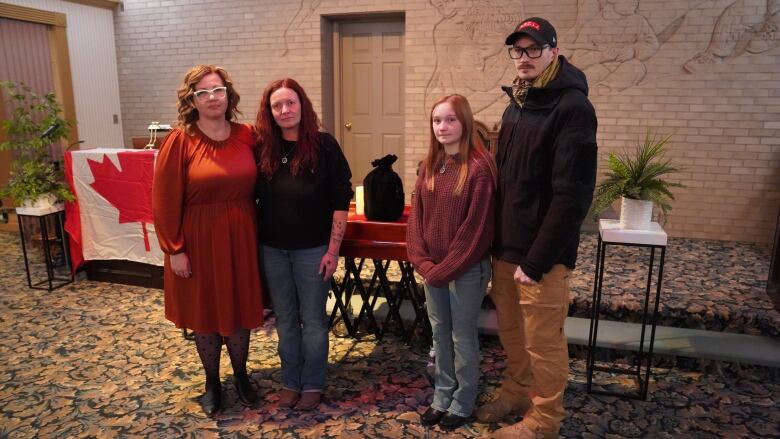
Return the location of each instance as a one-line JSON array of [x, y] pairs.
[[188, 114]]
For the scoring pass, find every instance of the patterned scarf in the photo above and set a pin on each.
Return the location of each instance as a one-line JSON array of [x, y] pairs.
[[520, 87]]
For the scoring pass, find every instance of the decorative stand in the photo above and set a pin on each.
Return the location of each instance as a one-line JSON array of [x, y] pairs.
[[57, 238], [610, 233], [773, 283], [384, 243]]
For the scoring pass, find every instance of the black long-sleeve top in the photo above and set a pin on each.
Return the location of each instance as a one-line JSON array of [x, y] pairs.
[[297, 212]]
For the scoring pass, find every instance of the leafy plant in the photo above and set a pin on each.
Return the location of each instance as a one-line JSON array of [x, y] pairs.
[[35, 123], [638, 175]]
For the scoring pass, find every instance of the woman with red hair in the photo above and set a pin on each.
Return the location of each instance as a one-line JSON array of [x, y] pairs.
[[448, 237], [304, 190]]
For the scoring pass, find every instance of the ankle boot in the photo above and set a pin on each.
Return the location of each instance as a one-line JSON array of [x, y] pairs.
[[451, 421], [246, 393], [431, 417], [211, 400]]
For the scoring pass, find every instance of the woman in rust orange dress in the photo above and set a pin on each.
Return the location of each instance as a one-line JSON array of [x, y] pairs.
[[204, 217]]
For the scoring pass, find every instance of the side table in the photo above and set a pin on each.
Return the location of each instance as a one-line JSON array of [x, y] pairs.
[[49, 238], [384, 243], [610, 234]]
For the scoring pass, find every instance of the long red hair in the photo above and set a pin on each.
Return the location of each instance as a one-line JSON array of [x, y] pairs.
[[269, 135], [470, 147]]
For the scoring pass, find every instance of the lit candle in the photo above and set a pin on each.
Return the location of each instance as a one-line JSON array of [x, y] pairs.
[[359, 200]]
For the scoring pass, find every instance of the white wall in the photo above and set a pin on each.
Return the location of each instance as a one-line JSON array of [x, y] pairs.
[[93, 67]]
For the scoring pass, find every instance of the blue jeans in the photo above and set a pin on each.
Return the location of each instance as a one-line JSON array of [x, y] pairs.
[[299, 294], [453, 311]]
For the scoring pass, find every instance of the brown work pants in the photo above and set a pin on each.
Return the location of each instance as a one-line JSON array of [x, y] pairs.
[[530, 327]]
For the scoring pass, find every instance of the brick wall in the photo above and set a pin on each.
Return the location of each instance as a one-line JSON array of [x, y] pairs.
[[705, 71]]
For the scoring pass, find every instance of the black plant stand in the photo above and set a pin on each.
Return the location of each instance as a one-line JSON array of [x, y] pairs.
[[49, 239], [655, 239], [773, 283]]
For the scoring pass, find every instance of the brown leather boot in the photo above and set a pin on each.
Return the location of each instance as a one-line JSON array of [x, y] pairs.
[[288, 398], [309, 401], [521, 431], [498, 409]]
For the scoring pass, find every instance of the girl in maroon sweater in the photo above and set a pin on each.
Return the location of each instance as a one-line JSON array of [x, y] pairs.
[[449, 233]]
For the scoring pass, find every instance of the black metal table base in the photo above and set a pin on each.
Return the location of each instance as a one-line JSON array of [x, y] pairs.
[[642, 358], [52, 281], [379, 285]]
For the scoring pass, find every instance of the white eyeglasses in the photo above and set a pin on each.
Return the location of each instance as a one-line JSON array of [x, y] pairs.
[[217, 92]]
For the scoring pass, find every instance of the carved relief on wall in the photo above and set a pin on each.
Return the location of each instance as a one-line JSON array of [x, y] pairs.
[[610, 42], [469, 55], [304, 10], [738, 30]]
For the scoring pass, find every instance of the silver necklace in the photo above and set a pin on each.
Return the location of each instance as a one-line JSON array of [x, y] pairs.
[[444, 164], [286, 153]]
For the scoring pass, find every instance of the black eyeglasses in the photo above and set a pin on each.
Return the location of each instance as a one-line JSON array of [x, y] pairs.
[[533, 52]]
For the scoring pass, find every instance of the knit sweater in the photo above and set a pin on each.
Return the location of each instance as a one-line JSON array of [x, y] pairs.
[[448, 233]]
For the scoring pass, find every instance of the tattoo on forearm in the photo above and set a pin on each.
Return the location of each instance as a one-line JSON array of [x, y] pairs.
[[337, 235]]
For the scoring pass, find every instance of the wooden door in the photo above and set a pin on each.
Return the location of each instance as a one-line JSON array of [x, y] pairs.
[[371, 93]]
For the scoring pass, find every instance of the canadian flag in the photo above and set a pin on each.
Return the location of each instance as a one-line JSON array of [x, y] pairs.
[[112, 215]]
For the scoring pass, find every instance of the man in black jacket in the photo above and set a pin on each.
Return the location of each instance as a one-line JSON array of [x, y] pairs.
[[546, 161]]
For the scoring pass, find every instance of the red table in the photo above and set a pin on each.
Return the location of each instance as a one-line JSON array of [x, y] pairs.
[[384, 243]]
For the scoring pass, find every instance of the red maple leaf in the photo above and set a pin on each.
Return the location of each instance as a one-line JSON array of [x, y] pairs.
[[129, 190]]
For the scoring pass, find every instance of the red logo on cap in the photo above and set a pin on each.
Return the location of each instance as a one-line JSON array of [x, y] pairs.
[[532, 24]]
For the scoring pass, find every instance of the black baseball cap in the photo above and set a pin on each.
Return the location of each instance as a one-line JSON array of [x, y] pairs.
[[537, 28]]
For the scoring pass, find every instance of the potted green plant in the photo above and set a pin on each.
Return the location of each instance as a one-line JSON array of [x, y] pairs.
[[637, 178], [35, 123]]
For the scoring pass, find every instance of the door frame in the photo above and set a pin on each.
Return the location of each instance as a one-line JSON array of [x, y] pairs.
[[56, 23], [331, 62], [58, 52]]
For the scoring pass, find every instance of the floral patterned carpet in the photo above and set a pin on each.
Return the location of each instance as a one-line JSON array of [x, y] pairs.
[[99, 360], [713, 285]]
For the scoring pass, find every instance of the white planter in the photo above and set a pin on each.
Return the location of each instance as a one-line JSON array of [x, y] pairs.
[[42, 202], [42, 205], [635, 214]]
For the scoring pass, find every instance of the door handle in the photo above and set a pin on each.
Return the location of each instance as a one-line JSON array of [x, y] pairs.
[[348, 125]]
